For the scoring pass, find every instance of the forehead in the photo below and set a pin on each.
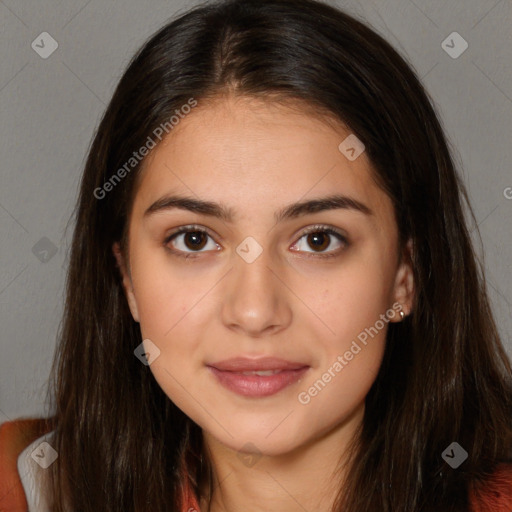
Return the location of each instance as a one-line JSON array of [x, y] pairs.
[[254, 153]]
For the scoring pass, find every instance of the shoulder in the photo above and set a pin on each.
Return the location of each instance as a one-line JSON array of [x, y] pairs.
[[16, 437], [494, 493], [23, 458]]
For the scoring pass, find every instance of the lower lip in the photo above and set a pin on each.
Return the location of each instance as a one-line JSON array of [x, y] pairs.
[[258, 385]]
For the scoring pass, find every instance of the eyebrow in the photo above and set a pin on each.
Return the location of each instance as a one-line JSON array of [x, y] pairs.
[[292, 211]]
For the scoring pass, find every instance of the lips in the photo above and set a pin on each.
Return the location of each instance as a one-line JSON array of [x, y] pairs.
[[244, 364], [257, 377]]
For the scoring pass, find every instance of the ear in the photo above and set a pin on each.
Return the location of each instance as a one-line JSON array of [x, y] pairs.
[[404, 289], [127, 281]]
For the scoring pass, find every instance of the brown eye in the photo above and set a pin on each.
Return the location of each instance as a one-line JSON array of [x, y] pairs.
[[320, 240], [189, 240]]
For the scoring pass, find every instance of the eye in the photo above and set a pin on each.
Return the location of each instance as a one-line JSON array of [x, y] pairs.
[[188, 240], [189, 237], [320, 238]]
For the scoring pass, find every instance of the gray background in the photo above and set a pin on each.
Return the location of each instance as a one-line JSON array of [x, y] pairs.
[[50, 108]]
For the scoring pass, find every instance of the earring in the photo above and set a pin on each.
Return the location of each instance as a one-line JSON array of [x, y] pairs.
[[402, 314]]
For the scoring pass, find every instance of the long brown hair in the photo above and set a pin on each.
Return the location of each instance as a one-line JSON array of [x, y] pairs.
[[445, 375]]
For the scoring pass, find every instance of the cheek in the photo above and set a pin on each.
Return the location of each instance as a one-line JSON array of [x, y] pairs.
[[170, 316], [165, 321], [165, 297], [350, 361], [348, 300], [352, 308], [333, 395]]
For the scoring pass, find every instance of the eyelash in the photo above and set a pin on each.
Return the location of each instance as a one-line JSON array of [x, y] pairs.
[[313, 229]]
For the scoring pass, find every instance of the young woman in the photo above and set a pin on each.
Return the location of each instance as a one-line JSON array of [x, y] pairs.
[[272, 301]]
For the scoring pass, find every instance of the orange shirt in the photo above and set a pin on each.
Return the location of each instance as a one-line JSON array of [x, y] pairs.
[[15, 436]]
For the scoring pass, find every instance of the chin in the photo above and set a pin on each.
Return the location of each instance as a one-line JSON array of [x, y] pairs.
[[251, 439]]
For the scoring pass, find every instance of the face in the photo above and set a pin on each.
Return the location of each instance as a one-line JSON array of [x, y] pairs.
[[264, 280]]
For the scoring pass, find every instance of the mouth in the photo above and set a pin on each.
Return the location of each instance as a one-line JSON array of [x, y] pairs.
[[257, 377]]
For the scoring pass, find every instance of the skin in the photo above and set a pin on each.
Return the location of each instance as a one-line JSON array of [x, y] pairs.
[[257, 157]]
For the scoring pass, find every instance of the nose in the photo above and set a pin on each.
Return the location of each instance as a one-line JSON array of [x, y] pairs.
[[257, 297]]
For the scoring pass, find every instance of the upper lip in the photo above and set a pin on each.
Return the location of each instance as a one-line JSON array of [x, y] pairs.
[[241, 364]]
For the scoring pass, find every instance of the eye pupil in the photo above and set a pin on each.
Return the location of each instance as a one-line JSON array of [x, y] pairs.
[[196, 236], [314, 239]]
